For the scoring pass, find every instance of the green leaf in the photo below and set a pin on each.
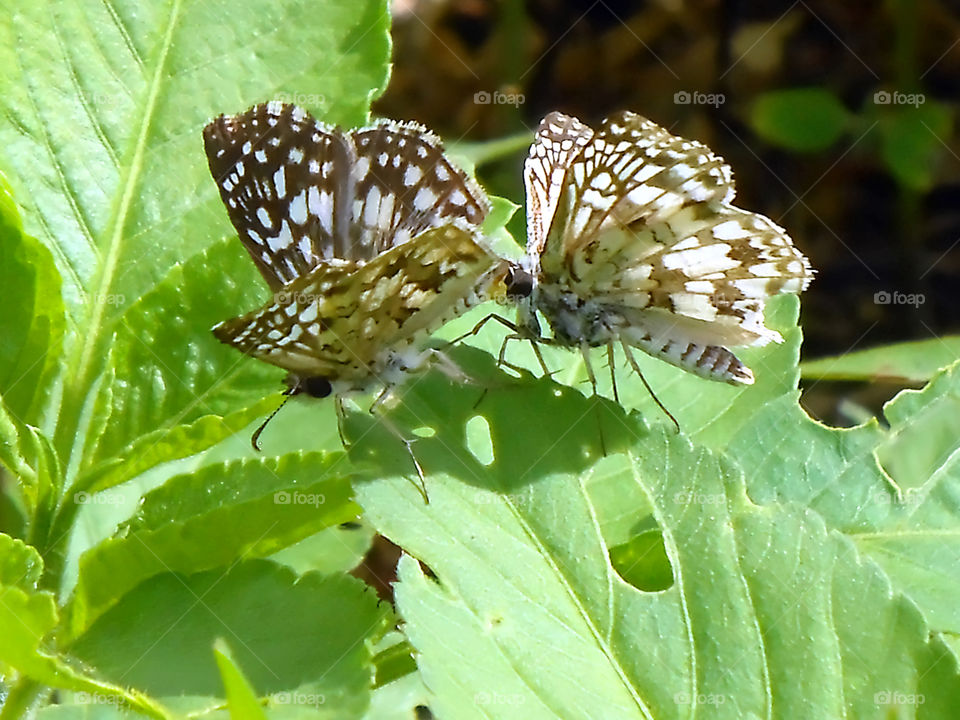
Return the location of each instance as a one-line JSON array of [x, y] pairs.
[[25, 620], [912, 138], [304, 639], [33, 334], [902, 363], [802, 119], [178, 398], [20, 564], [334, 549], [805, 482], [101, 144], [767, 607], [241, 699], [209, 518]]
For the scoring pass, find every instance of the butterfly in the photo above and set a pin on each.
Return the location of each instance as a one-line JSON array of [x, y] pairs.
[[633, 240], [368, 240]]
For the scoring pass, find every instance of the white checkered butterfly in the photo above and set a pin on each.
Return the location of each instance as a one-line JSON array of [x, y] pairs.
[[368, 239], [633, 240]]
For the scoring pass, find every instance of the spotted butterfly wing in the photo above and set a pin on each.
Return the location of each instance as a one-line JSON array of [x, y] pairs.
[[356, 323], [299, 191], [645, 248], [368, 239]]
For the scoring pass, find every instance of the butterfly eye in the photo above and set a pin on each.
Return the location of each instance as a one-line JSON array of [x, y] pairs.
[[519, 283], [316, 386]]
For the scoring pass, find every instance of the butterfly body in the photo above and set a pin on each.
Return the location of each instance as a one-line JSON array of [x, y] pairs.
[[633, 240]]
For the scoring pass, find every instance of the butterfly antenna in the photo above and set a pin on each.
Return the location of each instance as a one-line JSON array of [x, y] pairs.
[[255, 438], [633, 363]]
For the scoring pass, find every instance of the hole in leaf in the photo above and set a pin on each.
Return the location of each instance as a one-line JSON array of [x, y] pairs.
[[642, 561], [479, 442], [424, 431]]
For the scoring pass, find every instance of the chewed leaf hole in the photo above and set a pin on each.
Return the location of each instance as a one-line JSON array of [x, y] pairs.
[[479, 442], [642, 561]]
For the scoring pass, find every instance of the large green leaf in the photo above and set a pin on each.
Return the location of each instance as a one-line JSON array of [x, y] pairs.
[[305, 640], [210, 518], [100, 137], [767, 608], [33, 334], [519, 533]]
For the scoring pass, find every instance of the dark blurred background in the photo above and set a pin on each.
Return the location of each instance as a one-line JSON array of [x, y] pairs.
[[837, 118]]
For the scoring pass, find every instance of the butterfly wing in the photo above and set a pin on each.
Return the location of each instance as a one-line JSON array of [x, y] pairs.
[[348, 322], [404, 184], [645, 221], [557, 142], [283, 178], [299, 191]]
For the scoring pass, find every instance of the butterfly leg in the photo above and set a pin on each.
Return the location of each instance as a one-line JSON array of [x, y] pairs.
[[341, 420], [396, 432], [447, 366], [636, 367], [613, 373], [479, 326], [585, 353], [408, 444]]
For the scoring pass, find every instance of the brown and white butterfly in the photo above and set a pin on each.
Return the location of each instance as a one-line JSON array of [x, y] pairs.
[[632, 240], [368, 239]]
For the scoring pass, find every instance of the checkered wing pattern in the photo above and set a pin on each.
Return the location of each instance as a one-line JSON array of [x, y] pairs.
[[341, 321], [558, 141], [645, 234], [300, 192]]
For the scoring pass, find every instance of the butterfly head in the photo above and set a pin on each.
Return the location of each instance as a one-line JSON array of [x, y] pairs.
[[521, 287], [312, 385]]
